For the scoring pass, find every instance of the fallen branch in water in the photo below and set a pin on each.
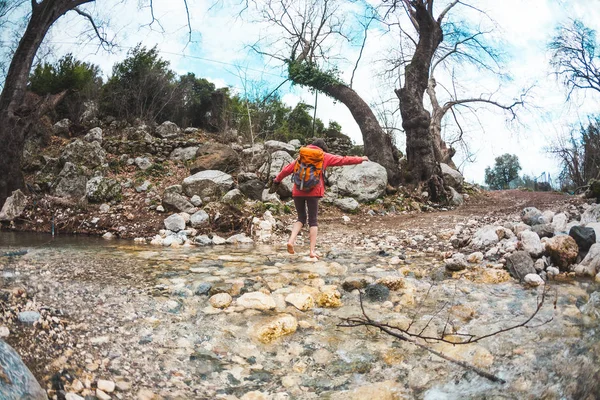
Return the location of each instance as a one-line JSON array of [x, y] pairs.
[[415, 337]]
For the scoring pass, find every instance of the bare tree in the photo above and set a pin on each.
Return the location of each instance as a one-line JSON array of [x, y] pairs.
[[574, 57], [310, 30]]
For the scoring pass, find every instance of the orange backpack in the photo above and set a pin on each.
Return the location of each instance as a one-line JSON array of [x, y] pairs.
[[308, 168]]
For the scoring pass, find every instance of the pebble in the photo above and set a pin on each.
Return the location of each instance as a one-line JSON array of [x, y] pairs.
[[106, 386], [4, 331], [73, 396], [101, 395], [29, 317], [533, 280], [220, 300]]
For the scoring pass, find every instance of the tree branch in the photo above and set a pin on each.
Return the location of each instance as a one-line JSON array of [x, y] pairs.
[[106, 44], [445, 11]]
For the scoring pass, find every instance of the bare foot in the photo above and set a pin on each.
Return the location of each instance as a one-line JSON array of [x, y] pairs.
[[290, 248], [314, 255]]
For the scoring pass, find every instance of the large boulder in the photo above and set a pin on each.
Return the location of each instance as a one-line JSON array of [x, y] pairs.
[[253, 189], [563, 251], [175, 223], [451, 176], [365, 182], [168, 130], [16, 381], [199, 219], [102, 190], [215, 156], [174, 201], [184, 153], [559, 223], [457, 199], [62, 128], [531, 216], [520, 264], [346, 204], [585, 237], [592, 214], [278, 161], [211, 183], [13, 206], [71, 182], [590, 266], [486, 236], [94, 135], [543, 230], [531, 243], [88, 154], [274, 145]]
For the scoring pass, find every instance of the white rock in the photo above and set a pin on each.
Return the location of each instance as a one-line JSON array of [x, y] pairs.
[[218, 240], [531, 243], [552, 272], [106, 386], [175, 223], [486, 236], [302, 301], [4, 331], [108, 236], [365, 182], [475, 258], [73, 396], [533, 280], [220, 300], [257, 301], [102, 395]]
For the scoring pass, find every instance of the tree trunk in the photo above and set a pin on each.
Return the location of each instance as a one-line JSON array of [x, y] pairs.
[[422, 165], [443, 154], [378, 145], [14, 118]]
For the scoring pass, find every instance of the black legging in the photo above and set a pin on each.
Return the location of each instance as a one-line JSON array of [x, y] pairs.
[[302, 203]]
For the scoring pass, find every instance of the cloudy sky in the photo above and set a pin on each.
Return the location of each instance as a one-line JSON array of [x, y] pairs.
[[219, 53]]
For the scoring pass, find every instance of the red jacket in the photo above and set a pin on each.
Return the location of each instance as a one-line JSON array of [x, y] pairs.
[[329, 160]]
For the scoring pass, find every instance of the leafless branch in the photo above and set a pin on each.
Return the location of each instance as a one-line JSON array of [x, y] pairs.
[[105, 43], [405, 334], [445, 11]]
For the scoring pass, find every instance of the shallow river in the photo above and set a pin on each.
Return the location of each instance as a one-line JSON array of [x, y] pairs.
[[142, 314]]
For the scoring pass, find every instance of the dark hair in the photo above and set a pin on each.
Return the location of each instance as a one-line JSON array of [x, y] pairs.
[[320, 143]]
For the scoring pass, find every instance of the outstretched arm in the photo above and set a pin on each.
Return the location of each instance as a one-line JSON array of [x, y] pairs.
[[332, 160]]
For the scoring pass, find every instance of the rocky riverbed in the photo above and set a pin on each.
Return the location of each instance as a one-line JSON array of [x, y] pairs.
[[126, 321]]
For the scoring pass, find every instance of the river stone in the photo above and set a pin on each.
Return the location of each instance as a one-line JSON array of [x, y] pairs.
[[78, 152], [520, 264], [531, 243], [13, 206], [456, 263], [356, 282], [563, 251], [486, 236], [184, 153], [386, 390], [329, 299], [520, 227], [203, 240], [215, 156], [547, 217], [71, 182], [106, 385], [17, 381], [101, 190], [274, 145], [585, 237], [175, 223], [278, 161], [199, 219], [253, 189], [592, 214], [451, 176], [456, 199], [347, 204], [543, 230], [173, 201], [234, 196], [377, 292], [590, 265], [533, 280], [209, 183], [559, 223], [240, 238], [202, 288], [29, 317], [392, 282], [365, 182], [94, 135], [274, 328], [220, 300], [531, 216], [302, 301], [475, 258], [168, 130], [592, 307], [257, 301]]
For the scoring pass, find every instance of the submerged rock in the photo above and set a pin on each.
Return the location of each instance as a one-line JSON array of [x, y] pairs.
[[274, 328], [16, 381]]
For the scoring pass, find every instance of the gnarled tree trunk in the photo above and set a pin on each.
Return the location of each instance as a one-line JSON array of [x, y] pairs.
[[443, 153], [422, 164], [378, 145], [15, 118]]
